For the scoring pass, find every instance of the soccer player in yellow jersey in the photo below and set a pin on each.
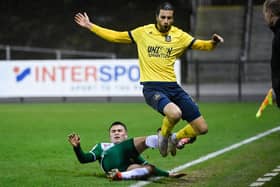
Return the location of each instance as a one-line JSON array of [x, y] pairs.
[[159, 45]]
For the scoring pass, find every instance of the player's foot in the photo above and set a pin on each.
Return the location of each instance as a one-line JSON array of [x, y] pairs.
[[162, 144], [181, 143], [172, 144], [114, 174], [177, 175]]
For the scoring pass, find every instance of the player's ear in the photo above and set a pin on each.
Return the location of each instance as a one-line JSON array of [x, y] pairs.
[[157, 18]]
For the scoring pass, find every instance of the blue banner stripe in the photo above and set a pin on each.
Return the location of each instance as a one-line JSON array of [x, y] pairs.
[[21, 76]]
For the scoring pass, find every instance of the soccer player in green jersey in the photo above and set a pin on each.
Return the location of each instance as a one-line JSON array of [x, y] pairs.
[[120, 158], [159, 45]]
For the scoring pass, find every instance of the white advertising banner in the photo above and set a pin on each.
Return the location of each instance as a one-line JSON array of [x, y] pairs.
[[71, 78]]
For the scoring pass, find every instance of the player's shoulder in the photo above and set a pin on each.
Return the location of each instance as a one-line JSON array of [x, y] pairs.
[[179, 33], [147, 28], [177, 30], [144, 30], [150, 26]]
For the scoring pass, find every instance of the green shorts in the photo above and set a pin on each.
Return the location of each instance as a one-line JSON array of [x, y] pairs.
[[120, 156]]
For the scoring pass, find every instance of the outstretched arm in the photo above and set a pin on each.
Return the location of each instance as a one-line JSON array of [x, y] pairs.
[[217, 39], [83, 20], [207, 44], [107, 34], [74, 140]]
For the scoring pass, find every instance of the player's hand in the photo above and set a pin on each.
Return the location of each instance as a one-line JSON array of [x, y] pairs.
[[217, 39], [83, 20], [74, 139], [177, 175]]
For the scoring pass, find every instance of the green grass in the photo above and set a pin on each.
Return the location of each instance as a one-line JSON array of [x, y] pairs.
[[35, 151]]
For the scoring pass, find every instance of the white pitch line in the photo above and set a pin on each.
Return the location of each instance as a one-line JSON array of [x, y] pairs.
[[264, 179], [270, 174], [256, 184], [209, 156]]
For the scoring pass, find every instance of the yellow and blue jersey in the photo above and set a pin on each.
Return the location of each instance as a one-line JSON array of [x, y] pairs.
[[157, 52]]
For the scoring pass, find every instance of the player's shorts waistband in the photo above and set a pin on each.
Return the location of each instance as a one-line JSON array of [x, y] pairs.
[[147, 84]]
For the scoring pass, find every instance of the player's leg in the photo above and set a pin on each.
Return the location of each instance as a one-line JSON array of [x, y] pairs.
[[119, 156], [157, 97], [187, 135], [193, 129], [190, 113], [137, 171], [276, 89], [145, 142], [134, 171], [172, 116]]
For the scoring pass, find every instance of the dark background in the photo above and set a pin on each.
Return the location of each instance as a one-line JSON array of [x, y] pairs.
[[49, 23]]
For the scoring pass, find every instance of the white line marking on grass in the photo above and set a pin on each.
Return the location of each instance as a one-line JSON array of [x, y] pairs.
[[266, 177], [209, 156], [256, 184], [270, 174]]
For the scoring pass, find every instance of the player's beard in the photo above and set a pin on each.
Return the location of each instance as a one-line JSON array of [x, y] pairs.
[[164, 28]]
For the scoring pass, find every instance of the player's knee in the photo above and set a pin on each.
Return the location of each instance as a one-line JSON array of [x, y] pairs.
[[150, 168], [172, 112], [202, 130], [174, 116], [200, 126]]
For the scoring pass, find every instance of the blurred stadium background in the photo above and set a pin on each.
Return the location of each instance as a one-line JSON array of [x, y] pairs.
[[238, 70]]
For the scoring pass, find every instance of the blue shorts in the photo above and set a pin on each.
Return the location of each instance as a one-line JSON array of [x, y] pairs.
[[159, 94]]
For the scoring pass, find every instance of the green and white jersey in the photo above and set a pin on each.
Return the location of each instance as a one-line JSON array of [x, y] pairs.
[[98, 150]]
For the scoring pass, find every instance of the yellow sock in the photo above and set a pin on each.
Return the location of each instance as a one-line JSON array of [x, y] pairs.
[[186, 132], [166, 127]]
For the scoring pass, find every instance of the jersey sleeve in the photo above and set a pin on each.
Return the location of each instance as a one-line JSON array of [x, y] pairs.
[[136, 34], [82, 156], [111, 35], [160, 172], [187, 39], [97, 151], [206, 45]]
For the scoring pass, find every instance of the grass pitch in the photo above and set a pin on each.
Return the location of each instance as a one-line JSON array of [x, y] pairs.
[[35, 151]]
